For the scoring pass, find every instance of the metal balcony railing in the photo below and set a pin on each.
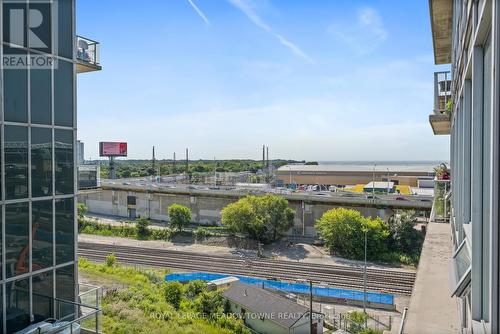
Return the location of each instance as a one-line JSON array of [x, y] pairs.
[[87, 51], [441, 206], [442, 93], [71, 317]]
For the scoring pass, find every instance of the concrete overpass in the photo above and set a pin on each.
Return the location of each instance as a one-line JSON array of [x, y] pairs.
[[130, 200]]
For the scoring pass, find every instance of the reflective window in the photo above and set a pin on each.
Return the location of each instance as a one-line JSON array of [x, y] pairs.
[[16, 239], [63, 94], [18, 305], [63, 141], [41, 96], [65, 228], [20, 6], [16, 94], [65, 290], [43, 236], [65, 26], [16, 162], [43, 301], [41, 162]]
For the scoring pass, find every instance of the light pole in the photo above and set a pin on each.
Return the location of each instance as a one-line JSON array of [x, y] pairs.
[[373, 181], [388, 181], [290, 182], [364, 274]]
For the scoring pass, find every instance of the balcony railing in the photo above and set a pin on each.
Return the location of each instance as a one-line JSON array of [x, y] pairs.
[[83, 316], [440, 118], [442, 93], [441, 207], [87, 54]]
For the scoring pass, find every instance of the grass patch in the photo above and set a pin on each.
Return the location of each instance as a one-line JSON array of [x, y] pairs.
[[150, 305]]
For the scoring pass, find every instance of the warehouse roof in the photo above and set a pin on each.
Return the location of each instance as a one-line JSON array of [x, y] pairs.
[[393, 168]]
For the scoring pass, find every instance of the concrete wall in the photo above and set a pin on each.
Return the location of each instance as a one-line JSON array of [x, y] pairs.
[[205, 208]]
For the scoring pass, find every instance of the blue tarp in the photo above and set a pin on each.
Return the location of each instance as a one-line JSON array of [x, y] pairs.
[[374, 297]]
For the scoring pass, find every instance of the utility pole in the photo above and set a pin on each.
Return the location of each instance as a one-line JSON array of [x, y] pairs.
[[187, 163], [364, 274], [215, 173], [373, 182], [310, 306], [154, 160], [388, 181]]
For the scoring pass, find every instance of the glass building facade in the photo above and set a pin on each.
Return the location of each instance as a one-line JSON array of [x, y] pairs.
[[466, 35], [37, 158]]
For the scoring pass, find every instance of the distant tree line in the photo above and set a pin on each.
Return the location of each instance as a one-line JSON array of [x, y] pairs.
[[141, 168]]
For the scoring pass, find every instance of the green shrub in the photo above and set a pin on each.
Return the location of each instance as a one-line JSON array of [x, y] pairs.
[[343, 231], [81, 210], [194, 288], [141, 224], [200, 233], [110, 260], [173, 293], [161, 234]]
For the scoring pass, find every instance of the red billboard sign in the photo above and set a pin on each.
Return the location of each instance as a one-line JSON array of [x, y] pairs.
[[112, 149]]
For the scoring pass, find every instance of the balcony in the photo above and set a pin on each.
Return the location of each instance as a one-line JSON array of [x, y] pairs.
[[87, 55], [69, 317], [441, 207], [440, 119]]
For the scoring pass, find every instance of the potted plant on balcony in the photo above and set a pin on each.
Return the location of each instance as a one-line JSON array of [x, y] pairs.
[[442, 172]]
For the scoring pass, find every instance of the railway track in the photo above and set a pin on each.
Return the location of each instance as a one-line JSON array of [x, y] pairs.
[[390, 281]]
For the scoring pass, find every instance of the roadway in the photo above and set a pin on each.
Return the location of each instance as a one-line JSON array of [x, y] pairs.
[[416, 202]]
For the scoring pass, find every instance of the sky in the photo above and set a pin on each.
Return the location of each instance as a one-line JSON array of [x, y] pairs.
[[325, 80]]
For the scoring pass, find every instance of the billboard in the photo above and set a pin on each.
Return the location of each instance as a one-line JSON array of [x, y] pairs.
[[112, 149]]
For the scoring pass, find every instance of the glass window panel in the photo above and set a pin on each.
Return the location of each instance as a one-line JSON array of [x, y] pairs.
[[16, 162], [65, 290], [16, 239], [63, 94], [43, 291], [65, 28], [16, 93], [19, 6], [44, 30], [487, 181], [41, 96], [43, 236], [63, 141], [41, 162], [65, 230], [18, 305]]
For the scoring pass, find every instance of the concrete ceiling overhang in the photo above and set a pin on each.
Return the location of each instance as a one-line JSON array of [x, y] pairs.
[[441, 24]]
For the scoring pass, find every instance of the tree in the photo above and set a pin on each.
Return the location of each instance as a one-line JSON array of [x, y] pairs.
[[141, 224], [278, 217], [242, 217], [179, 216], [173, 293], [263, 218], [404, 237], [81, 210], [343, 231]]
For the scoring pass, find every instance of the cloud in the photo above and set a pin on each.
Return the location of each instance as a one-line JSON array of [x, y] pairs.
[[363, 34], [200, 13], [249, 11]]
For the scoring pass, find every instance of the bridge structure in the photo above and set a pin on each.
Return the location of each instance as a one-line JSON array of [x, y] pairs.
[[134, 199]]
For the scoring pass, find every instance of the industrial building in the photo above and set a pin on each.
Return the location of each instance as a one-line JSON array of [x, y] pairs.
[[466, 35], [39, 273], [351, 174]]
